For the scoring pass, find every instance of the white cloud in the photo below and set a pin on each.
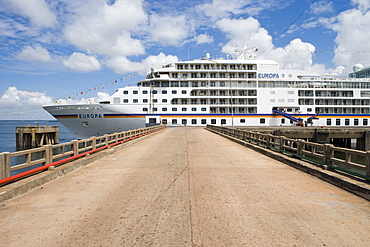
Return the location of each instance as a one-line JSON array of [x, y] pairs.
[[13, 97], [203, 39], [106, 29], [122, 65], [296, 55], [80, 62], [155, 61], [244, 32], [168, 30], [38, 11], [353, 45], [322, 7], [36, 53], [363, 5]]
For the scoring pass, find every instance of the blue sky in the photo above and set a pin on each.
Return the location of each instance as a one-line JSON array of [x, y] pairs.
[[51, 50]]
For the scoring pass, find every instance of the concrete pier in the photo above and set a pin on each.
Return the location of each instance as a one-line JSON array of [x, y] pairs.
[[186, 187], [36, 136]]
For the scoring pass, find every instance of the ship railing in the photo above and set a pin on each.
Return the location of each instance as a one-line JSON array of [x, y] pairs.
[[352, 162], [12, 163]]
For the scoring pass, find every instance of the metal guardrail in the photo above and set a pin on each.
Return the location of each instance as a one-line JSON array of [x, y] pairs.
[[47, 154], [350, 161]]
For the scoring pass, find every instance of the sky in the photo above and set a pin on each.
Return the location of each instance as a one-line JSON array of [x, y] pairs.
[[78, 51]]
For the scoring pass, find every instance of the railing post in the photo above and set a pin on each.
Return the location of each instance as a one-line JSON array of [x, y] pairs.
[[105, 139], [75, 147], [48, 154], [93, 143], [281, 143], [300, 147], [4, 165], [368, 163], [328, 153]]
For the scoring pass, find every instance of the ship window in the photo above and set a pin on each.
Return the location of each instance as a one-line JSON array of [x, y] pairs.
[[155, 100], [184, 84], [193, 109], [174, 121], [164, 121], [203, 109], [213, 84], [164, 91], [125, 100], [272, 92], [283, 120], [145, 109], [364, 121], [155, 109], [346, 121], [184, 121], [183, 91], [355, 121], [145, 100], [145, 92], [135, 101], [213, 121], [174, 109], [242, 120], [125, 92], [135, 92], [184, 109], [328, 121], [203, 83], [204, 121], [174, 92], [223, 121], [222, 83], [337, 121], [174, 83], [262, 120], [164, 109], [193, 121], [164, 100], [309, 109], [154, 91]]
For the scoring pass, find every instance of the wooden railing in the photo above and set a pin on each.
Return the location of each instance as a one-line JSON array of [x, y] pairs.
[[354, 162], [27, 159]]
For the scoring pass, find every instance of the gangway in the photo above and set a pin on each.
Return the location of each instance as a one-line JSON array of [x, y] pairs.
[[287, 115]]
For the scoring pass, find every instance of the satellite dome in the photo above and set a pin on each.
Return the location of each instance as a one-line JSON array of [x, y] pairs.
[[358, 67]]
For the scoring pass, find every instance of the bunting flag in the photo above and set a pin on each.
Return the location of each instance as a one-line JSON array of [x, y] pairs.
[[96, 87]]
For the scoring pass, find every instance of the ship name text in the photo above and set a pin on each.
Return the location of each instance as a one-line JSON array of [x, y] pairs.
[[268, 75], [90, 115]]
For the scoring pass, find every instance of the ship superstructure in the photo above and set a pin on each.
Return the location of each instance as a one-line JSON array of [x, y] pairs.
[[238, 92]]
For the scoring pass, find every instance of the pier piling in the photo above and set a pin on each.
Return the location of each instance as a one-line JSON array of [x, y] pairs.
[[36, 136]]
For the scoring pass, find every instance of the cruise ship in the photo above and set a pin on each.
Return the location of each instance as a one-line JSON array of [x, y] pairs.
[[226, 92]]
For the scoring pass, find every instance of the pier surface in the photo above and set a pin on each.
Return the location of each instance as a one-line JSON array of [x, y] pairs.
[[186, 187]]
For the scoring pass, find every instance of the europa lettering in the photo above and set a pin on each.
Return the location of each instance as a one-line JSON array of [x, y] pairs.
[[268, 75], [91, 115]]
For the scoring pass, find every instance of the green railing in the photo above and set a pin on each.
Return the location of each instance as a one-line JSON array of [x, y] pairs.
[[350, 161]]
